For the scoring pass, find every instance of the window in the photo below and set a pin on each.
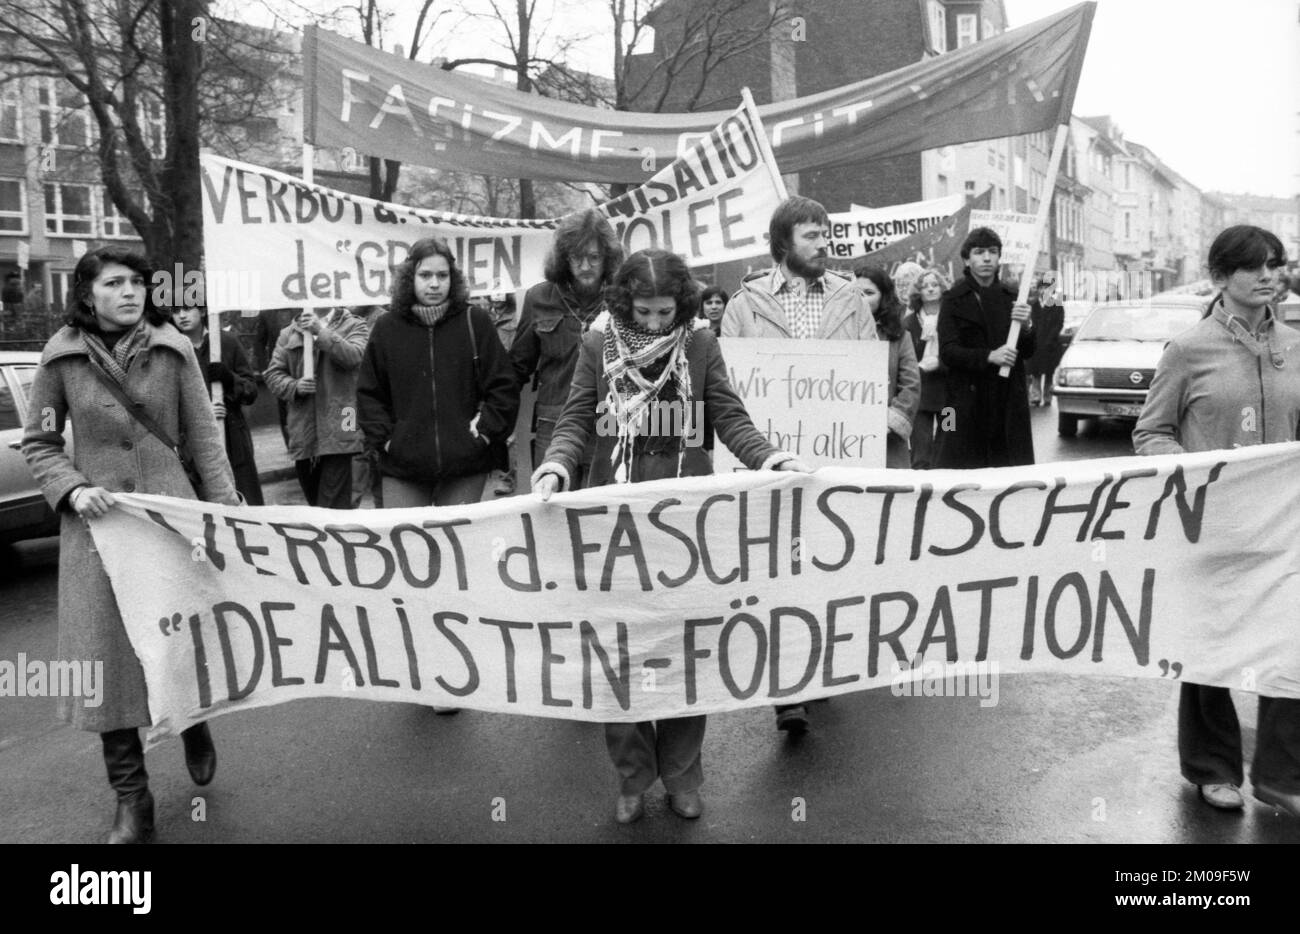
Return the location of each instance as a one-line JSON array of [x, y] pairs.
[[114, 223], [943, 185], [938, 26], [1128, 176], [65, 118], [970, 188], [993, 157], [68, 210], [1002, 162], [11, 112], [1002, 199], [967, 29], [1128, 224], [13, 206]]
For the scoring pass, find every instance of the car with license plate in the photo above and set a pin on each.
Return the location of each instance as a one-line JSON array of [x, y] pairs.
[[24, 513], [1106, 371]]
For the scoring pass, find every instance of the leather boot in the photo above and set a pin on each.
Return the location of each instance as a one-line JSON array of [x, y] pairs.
[[200, 754], [124, 759]]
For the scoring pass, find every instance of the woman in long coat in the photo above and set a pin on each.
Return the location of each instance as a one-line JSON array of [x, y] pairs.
[[650, 354], [904, 376], [114, 333]]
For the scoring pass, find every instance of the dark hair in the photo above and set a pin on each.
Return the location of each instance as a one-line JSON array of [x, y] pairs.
[[714, 291], [651, 273], [889, 313], [914, 300], [1244, 247], [788, 214], [575, 232], [404, 278], [980, 238], [79, 313]]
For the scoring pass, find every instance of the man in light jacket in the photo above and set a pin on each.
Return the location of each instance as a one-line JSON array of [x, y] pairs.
[[322, 418], [797, 298]]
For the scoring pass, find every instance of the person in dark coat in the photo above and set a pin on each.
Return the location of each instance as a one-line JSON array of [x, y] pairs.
[[650, 354], [115, 333], [923, 324], [557, 312], [988, 425], [436, 388], [270, 322], [238, 389], [1048, 317]]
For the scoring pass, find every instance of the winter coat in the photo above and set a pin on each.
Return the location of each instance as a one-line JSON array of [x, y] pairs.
[[420, 389], [551, 325], [1049, 322], [325, 422], [904, 397], [933, 383], [111, 449], [656, 458], [990, 415], [238, 390], [1207, 384], [756, 311]]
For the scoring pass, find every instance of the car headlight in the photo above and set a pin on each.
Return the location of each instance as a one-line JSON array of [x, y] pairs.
[[1074, 376]]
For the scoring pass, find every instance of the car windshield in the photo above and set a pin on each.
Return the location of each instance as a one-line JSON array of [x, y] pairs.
[[1138, 322]]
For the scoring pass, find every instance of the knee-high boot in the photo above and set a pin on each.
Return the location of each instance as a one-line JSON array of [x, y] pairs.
[[124, 759]]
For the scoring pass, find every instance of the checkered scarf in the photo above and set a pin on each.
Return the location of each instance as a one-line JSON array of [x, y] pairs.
[[638, 365], [114, 363]]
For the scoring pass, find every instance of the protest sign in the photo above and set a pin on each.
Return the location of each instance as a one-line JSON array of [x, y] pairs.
[[700, 595], [937, 247], [825, 401], [865, 230], [1016, 231], [381, 104], [274, 241]]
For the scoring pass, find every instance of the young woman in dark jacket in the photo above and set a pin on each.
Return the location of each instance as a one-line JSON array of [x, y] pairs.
[[436, 388], [650, 354]]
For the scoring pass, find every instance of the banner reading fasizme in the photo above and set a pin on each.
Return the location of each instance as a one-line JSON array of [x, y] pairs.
[[381, 104], [708, 594]]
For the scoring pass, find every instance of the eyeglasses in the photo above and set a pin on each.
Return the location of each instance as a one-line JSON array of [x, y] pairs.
[[586, 259]]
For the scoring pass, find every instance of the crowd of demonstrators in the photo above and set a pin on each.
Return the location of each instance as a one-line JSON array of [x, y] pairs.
[[904, 376], [922, 322], [1238, 359], [989, 412], [798, 298], [1047, 315], [436, 388], [713, 304], [130, 385], [238, 389], [555, 315], [649, 353], [322, 409]]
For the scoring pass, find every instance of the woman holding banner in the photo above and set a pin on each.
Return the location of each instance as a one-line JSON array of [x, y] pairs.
[[1232, 380], [117, 367], [650, 355], [923, 325], [904, 377]]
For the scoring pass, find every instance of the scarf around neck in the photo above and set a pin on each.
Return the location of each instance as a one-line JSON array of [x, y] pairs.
[[114, 363], [429, 315], [638, 365]]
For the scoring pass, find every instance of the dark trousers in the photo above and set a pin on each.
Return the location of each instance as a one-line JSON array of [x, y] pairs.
[[1209, 739], [667, 749], [923, 440], [326, 480]]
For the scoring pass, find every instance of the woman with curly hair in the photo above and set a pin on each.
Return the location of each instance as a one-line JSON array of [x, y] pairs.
[[436, 388], [923, 324], [651, 355], [904, 377]]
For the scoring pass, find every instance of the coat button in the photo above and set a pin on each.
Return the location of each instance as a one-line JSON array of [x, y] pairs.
[[127, 445], [128, 486]]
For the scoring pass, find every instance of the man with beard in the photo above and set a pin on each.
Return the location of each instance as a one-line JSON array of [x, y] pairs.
[[798, 298], [557, 312]]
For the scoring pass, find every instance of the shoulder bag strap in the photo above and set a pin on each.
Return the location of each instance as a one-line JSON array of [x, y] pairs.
[[136, 411]]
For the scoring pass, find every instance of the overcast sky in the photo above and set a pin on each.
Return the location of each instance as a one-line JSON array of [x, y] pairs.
[[1211, 86]]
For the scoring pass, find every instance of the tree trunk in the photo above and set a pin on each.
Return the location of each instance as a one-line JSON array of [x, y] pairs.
[[527, 201], [182, 63]]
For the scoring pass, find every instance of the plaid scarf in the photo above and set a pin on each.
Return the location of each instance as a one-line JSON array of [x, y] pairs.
[[638, 364], [114, 363], [429, 315]]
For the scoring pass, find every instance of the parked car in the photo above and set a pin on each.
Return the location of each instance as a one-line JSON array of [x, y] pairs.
[[1107, 369], [24, 513]]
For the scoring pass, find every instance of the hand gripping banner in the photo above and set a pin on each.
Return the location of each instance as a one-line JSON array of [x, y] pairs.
[[711, 594]]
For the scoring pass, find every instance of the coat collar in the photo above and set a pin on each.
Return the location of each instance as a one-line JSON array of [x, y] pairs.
[[67, 341]]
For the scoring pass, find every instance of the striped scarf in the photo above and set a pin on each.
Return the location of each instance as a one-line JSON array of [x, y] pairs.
[[638, 364], [429, 315], [114, 363]]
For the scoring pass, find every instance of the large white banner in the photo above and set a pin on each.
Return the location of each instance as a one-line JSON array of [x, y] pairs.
[[863, 230], [273, 241], [826, 401], [709, 594]]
